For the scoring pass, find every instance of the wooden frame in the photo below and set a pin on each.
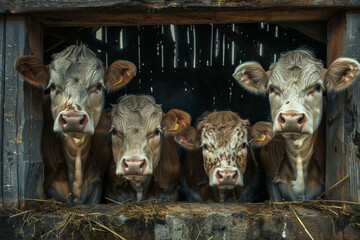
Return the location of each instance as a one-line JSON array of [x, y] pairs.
[[21, 34]]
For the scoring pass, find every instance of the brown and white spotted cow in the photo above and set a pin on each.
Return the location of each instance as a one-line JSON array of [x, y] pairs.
[[75, 154], [295, 159], [224, 169], [147, 164]]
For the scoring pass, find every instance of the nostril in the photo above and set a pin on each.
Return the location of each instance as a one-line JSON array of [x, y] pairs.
[[142, 164], [301, 119], [235, 175], [282, 120], [62, 120], [218, 175], [125, 164], [83, 121]]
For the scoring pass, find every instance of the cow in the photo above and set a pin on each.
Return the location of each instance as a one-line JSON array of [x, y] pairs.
[[220, 166], [146, 159], [74, 150], [295, 159]]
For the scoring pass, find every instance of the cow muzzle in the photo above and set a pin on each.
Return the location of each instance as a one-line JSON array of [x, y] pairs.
[[226, 178], [291, 122], [73, 122], [133, 166]]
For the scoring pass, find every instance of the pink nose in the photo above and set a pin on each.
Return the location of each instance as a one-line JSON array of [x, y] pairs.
[[73, 122], [134, 166], [227, 177], [291, 122]]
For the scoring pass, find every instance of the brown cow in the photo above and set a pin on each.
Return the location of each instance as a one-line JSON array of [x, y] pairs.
[[225, 168], [147, 164], [295, 159], [75, 156]]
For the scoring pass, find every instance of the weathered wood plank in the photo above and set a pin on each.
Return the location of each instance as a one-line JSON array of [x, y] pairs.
[[2, 7], [343, 132], [180, 221], [16, 6], [91, 19], [2, 87], [34, 175], [16, 121]]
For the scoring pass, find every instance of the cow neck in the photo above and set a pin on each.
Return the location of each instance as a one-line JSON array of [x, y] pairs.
[[299, 152], [141, 187], [76, 151]]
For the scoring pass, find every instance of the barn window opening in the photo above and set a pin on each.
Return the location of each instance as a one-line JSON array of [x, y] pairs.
[[188, 67]]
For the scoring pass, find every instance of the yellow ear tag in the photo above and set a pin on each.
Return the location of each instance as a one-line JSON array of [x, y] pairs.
[[119, 81], [261, 138], [175, 126], [342, 79]]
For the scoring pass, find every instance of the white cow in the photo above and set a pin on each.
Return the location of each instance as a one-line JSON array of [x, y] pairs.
[[295, 159]]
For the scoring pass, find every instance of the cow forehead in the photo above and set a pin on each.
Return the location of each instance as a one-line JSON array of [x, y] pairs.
[[76, 65], [297, 68], [140, 112], [221, 129]]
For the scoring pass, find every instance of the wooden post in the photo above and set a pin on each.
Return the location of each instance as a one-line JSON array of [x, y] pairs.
[[21, 130], [343, 113], [2, 83]]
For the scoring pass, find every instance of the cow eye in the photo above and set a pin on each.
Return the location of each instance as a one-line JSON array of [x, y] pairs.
[[113, 131], [317, 87], [99, 87], [271, 89], [206, 146], [157, 131], [243, 145], [52, 86]]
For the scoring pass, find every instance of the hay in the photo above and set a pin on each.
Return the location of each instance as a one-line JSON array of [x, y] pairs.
[[80, 221], [102, 221]]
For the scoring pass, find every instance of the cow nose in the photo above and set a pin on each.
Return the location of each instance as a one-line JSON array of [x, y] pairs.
[[291, 122], [227, 177], [73, 122], [134, 166]]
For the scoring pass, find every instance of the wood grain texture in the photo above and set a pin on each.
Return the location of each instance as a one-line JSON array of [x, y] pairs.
[[93, 19], [16, 119], [2, 89], [16, 6], [34, 175], [343, 113]]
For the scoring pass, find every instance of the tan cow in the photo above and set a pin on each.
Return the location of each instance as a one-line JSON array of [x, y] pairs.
[[75, 156], [295, 159], [147, 164], [224, 169]]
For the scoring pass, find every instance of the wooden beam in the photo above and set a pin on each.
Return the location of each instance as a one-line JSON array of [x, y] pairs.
[[181, 221], [2, 92], [18, 130], [21, 6], [34, 174], [95, 19], [343, 113]]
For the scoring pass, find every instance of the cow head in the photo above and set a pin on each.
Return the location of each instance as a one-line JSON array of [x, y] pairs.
[[224, 138], [76, 80], [138, 126], [295, 85]]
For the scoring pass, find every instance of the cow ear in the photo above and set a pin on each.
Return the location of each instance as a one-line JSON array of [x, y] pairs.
[[33, 70], [341, 73], [119, 74], [189, 138], [260, 133], [175, 121], [252, 77]]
